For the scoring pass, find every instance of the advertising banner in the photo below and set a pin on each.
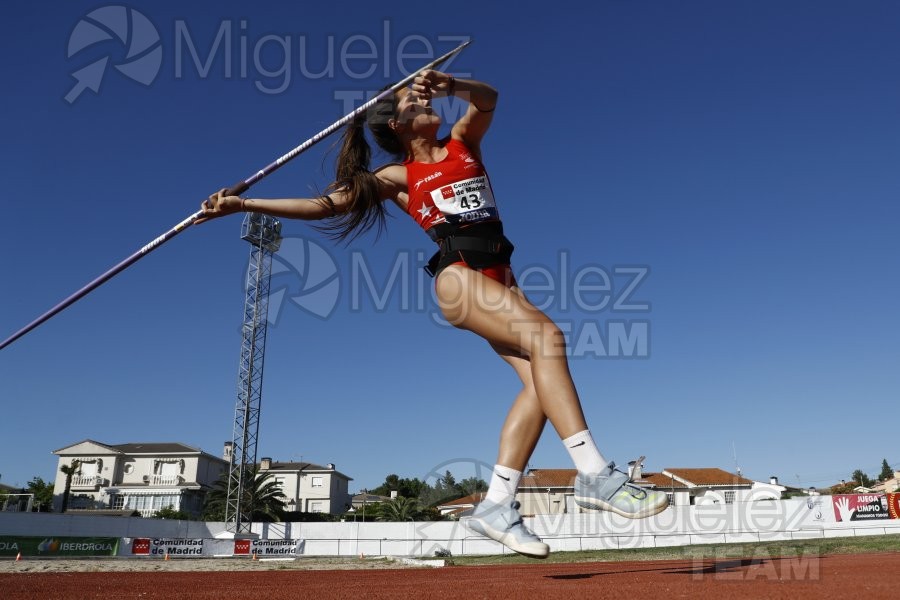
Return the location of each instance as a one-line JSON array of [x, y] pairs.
[[893, 501], [242, 547], [208, 547], [274, 548], [859, 507], [58, 547], [173, 547]]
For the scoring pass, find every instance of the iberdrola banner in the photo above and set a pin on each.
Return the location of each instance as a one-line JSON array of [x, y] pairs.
[[58, 547]]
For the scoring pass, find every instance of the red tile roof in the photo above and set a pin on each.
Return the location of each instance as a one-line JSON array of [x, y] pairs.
[[470, 499], [705, 477], [660, 481], [565, 478], [562, 478], [544, 478]]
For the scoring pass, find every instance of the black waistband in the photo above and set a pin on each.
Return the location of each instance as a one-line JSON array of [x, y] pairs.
[[443, 231], [478, 245]]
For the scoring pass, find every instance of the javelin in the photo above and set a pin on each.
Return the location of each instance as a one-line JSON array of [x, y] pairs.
[[235, 190]]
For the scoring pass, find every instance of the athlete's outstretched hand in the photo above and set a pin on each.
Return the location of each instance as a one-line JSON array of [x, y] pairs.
[[219, 205]]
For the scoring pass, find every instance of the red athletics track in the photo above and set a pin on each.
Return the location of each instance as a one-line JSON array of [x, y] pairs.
[[839, 576]]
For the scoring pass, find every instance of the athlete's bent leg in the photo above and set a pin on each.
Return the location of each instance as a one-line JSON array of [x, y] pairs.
[[505, 318]]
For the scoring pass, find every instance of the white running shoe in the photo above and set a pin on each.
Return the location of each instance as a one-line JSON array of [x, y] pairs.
[[504, 523], [612, 490]]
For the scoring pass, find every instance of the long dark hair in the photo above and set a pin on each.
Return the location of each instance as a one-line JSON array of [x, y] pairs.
[[352, 174]]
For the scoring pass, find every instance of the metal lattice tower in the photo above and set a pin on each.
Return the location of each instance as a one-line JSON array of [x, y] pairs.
[[264, 234]]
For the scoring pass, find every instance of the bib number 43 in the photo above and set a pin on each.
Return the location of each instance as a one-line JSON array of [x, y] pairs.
[[470, 201]]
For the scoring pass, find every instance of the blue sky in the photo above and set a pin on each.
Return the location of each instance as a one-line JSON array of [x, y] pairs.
[[741, 156]]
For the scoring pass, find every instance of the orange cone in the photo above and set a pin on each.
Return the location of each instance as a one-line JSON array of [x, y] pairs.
[[18, 557], [254, 556], [167, 556]]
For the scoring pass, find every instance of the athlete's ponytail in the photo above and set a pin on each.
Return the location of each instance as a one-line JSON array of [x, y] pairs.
[[352, 174]]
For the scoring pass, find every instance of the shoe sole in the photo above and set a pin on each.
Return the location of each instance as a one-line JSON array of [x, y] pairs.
[[531, 550], [594, 504]]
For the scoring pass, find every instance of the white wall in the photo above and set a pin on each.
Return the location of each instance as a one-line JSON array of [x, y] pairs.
[[811, 518], [49, 524]]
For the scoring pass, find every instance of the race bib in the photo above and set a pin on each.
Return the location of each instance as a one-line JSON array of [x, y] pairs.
[[466, 201]]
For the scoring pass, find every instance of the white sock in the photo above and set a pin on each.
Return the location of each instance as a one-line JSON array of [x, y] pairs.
[[584, 453], [504, 483]]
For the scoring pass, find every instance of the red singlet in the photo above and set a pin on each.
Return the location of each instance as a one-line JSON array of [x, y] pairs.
[[455, 191]]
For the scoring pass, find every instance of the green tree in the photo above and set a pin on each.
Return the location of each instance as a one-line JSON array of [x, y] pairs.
[[448, 480], [843, 488], [392, 483], [262, 499], [472, 485], [399, 509], [408, 488], [861, 478], [370, 511], [43, 494], [169, 512], [69, 471], [445, 489], [886, 471]]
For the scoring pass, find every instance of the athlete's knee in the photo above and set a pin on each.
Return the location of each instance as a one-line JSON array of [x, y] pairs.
[[541, 338], [552, 340]]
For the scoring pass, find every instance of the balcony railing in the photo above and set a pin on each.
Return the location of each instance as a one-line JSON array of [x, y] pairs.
[[165, 479], [90, 481]]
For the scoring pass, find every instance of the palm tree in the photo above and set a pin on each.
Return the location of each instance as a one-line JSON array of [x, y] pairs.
[[69, 471], [399, 509], [263, 500]]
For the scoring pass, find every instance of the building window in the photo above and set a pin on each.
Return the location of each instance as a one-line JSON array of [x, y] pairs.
[[671, 498], [316, 507], [729, 497], [166, 469], [81, 501], [118, 502], [317, 482], [148, 504]]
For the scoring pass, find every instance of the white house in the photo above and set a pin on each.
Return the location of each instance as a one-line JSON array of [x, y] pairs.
[[308, 487], [145, 477], [888, 485], [712, 486], [360, 500], [461, 507]]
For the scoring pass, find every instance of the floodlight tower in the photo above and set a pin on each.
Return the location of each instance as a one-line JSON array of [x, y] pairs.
[[264, 234]]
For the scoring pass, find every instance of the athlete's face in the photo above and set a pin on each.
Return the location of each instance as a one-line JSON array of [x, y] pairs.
[[414, 111]]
